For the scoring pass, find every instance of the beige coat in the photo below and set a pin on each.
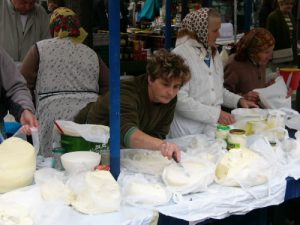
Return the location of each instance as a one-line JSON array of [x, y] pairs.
[[12, 39]]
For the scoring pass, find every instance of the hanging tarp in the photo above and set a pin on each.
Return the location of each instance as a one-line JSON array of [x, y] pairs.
[[149, 10]]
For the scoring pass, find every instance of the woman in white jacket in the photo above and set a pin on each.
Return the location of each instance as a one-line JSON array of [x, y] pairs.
[[198, 108]]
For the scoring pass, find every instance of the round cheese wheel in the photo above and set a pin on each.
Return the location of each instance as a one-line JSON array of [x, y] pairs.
[[193, 176], [237, 165], [17, 164], [175, 175]]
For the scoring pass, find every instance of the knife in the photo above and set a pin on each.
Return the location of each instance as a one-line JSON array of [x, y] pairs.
[[180, 165], [289, 79]]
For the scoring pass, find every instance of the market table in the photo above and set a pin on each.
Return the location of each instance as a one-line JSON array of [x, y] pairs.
[[259, 215], [255, 217], [49, 213]]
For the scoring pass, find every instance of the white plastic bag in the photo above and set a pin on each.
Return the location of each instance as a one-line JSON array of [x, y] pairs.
[[241, 167], [143, 161], [274, 96], [143, 191], [250, 114], [294, 122], [90, 132], [95, 192], [195, 175], [52, 185], [34, 135]]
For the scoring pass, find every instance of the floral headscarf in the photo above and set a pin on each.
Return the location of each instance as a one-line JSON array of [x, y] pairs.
[[65, 23], [255, 41], [197, 22]]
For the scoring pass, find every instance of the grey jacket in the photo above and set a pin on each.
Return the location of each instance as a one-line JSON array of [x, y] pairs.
[[14, 94], [12, 38]]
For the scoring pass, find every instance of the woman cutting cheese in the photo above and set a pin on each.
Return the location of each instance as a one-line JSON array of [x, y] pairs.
[[147, 105]]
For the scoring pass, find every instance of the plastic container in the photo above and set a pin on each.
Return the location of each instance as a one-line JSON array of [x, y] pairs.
[[80, 161], [56, 160], [222, 132], [236, 139], [255, 126], [285, 72]]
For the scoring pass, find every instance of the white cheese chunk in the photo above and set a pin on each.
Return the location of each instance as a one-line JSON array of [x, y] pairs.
[[100, 194], [17, 164]]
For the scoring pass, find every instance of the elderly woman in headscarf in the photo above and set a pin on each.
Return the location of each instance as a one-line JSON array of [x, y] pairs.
[[62, 73], [246, 70], [198, 108]]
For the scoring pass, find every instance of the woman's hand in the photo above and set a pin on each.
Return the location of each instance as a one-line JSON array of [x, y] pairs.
[[251, 96], [289, 93], [167, 149], [28, 120], [226, 118], [244, 103]]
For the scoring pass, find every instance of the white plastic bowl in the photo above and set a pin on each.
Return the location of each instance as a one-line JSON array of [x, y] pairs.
[[80, 161]]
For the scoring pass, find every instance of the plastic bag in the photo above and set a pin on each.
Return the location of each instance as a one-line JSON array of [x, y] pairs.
[[274, 96], [140, 190], [238, 170], [196, 175], [143, 161], [250, 114], [34, 135], [52, 184], [90, 132], [294, 122], [95, 192], [201, 147]]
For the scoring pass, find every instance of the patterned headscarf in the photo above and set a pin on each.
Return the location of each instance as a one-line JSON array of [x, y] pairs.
[[65, 23], [197, 22], [255, 41]]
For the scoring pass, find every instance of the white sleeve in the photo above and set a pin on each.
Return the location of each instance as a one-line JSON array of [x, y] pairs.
[[195, 110], [230, 99]]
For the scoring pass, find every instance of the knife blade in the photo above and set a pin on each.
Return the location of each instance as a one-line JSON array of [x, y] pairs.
[[289, 79], [180, 165]]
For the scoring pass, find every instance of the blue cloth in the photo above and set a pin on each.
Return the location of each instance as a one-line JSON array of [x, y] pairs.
[[207, 59], [149, 10], [11, 127]]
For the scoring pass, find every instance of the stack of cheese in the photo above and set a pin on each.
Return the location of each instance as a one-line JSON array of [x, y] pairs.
[[17, 164]]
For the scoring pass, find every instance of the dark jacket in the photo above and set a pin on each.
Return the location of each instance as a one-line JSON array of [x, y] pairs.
[[278, 27]]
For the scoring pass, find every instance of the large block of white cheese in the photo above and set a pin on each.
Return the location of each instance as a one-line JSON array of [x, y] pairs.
[[241, 167], [17, 164], [97, 193]]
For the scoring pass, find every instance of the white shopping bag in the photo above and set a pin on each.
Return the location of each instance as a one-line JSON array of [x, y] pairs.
[[274, 96]]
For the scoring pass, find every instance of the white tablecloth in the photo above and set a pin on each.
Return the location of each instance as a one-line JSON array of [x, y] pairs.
[[49, 213]]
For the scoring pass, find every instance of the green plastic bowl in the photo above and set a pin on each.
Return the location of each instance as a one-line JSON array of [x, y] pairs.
[[72, 144]]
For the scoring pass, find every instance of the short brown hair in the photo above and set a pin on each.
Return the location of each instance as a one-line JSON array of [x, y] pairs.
[[167, 66]]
